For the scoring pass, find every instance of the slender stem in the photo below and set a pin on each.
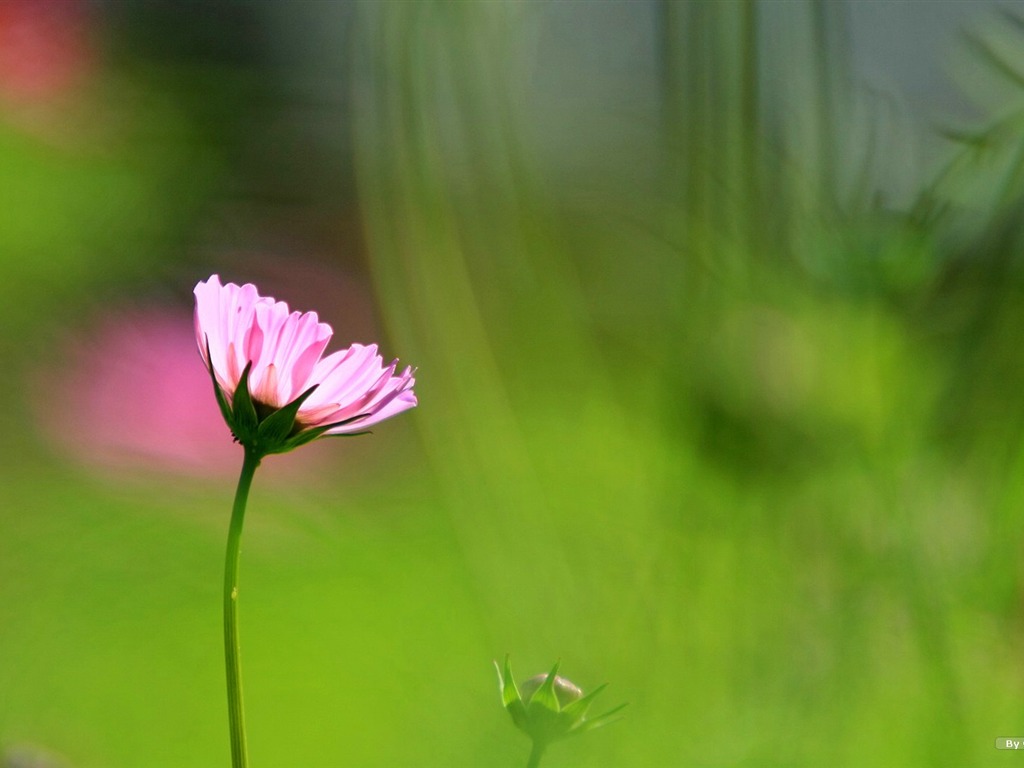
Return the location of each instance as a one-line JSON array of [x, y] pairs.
[[236, 719], [535, 753]]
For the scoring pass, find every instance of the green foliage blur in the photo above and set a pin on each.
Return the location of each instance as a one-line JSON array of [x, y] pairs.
[[707, 411]]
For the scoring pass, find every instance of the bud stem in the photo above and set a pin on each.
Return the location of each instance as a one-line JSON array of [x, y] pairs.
[[236, 720], [535, 754]]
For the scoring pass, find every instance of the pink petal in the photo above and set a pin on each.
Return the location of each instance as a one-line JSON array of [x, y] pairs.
[[345, 376]]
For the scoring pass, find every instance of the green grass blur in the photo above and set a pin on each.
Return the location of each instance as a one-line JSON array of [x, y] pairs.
[[702, 414]]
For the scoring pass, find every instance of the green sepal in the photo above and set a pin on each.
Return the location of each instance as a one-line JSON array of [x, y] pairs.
[[303, 437], [245, 422], [545, 722], [519, 717], [350, 434], [507, 684], [578, 709], [596, 722], [324, 427], [222, 402], [308, 435], [545, 695], [277, 426], [510, 697]]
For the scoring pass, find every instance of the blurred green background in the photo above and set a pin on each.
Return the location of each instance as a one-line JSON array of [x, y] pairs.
[[717, 314]]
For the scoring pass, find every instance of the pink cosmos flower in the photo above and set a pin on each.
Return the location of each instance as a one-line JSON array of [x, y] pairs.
[[275, 387]]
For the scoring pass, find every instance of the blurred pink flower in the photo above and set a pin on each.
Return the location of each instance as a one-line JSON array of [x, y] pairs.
[[44, 48], [342, 393], [135, 399]]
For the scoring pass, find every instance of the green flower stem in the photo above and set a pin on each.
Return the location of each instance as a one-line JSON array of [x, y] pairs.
[[236, 720], [535, 754]]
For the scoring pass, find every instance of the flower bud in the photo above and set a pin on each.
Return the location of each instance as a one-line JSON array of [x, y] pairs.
[[549, 707], [565, 690]]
